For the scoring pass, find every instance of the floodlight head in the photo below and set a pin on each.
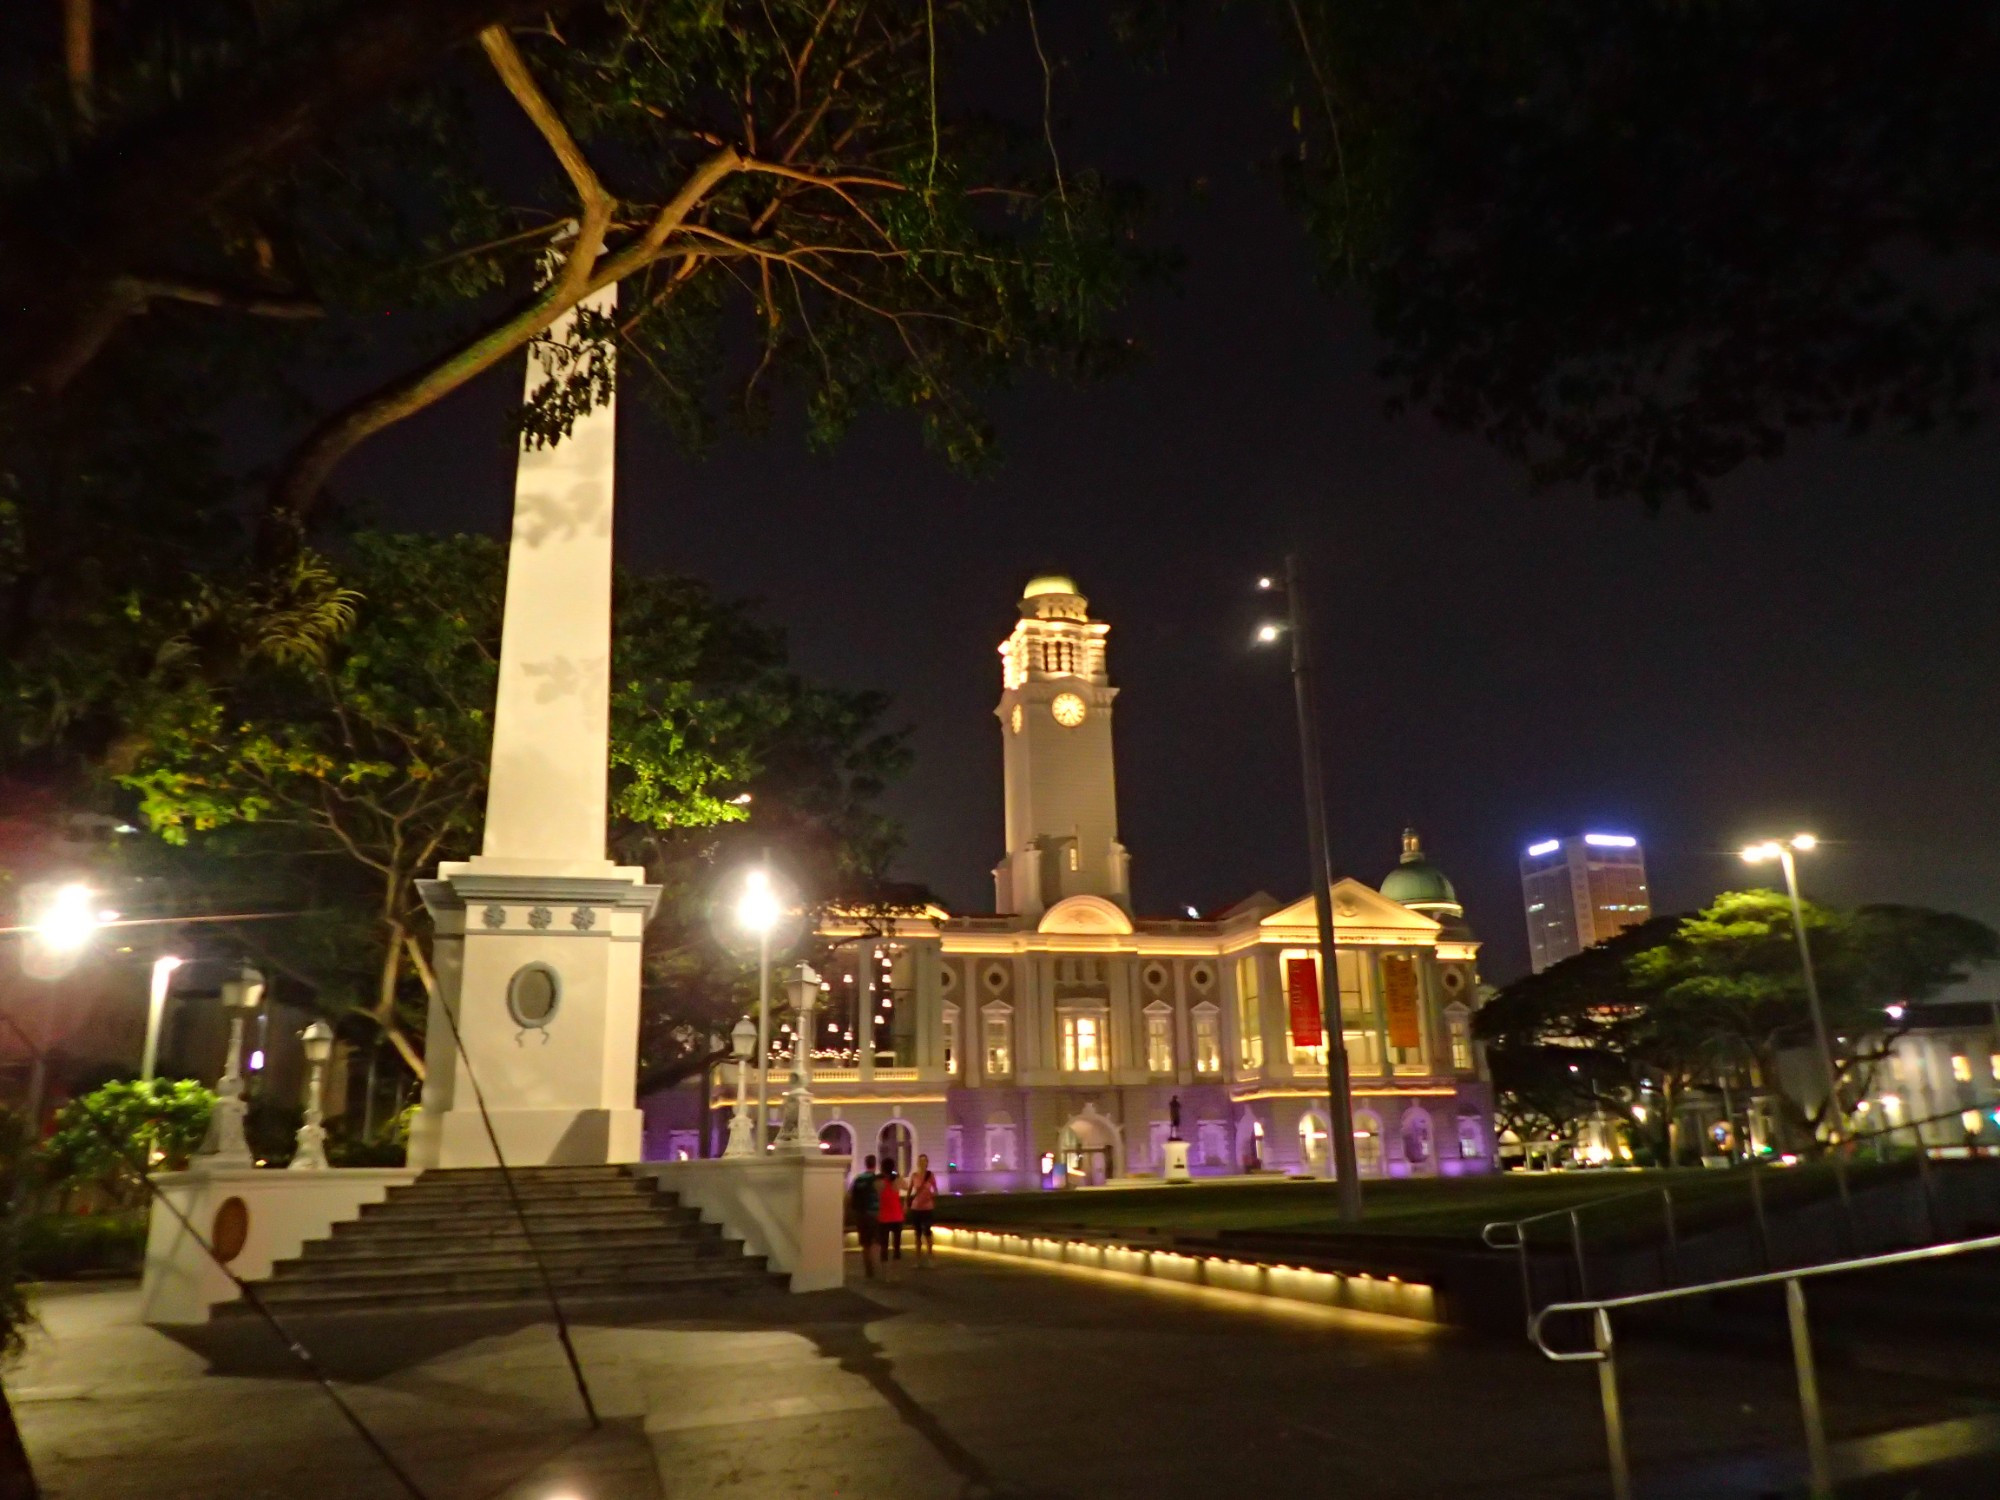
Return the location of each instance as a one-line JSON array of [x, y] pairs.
[[757, 909], [1756, 854], [1266, 584], [1804, 841], [1268, 633], [68, 918]]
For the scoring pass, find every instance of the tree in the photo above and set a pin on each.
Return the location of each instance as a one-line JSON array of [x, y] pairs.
[[341, 776], [1642, 243], [1733, 970], [1679, 1001], [1565, 1043], [775, 184], [106, 1138]]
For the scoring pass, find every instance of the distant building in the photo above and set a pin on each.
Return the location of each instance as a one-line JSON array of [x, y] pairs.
[[1581, 890], [1055, 1040]]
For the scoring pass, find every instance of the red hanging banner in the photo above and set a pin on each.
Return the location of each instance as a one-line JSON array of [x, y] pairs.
[[1302, 988], [1399, 1001]]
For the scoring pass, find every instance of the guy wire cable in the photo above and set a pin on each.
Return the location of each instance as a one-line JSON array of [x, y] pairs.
[[297, 1349]]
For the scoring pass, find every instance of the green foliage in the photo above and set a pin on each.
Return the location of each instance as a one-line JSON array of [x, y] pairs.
[[1640, 243], [334, 779], [54, 1247], [1686, 1000], [105, 1139]]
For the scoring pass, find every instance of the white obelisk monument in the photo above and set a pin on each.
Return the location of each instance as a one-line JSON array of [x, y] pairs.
[[538, 936]]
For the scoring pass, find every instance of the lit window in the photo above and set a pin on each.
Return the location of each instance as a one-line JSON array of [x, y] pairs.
[[1961, 1067], [1082, 1034], [951, 1039], [1458, 1025], [1207, 1040], [1159, 1039], [999, 1043], [1249, 1020], [1471, 1142], [1993, 1062], [1972, 1119]]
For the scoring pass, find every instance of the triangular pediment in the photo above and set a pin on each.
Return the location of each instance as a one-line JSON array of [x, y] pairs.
[[1357, 907]]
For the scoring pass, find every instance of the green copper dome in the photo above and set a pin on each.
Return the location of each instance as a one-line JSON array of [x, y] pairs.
[[1417, 883]]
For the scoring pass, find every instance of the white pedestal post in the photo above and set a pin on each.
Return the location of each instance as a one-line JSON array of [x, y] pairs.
[[538, 936], [1177, 1162], [801, 1130]]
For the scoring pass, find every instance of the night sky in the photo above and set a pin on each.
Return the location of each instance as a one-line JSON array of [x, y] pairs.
[[1820, 651]]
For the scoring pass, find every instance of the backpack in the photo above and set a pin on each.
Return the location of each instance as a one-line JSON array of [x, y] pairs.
[[864, 1195]]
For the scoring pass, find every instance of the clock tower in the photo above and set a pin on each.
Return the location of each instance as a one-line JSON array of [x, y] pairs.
[[1055, 725]]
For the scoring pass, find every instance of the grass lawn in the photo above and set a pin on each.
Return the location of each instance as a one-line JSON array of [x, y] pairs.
[[1445, 1208]]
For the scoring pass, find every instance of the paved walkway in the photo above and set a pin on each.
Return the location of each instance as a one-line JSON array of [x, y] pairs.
[[970, 1380]]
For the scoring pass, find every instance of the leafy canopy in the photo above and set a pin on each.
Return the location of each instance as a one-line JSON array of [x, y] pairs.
[[1638, 244], [337, 773]]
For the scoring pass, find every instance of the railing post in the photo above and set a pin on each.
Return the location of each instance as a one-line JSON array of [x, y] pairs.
[[1802, 1360], [1576, 1243], [1614, 1419], [1932, 1216], [1757, 1206], [1527, 1275], [1673, 1234]]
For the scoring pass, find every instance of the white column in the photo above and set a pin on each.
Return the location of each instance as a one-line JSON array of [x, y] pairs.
[[538, 936]]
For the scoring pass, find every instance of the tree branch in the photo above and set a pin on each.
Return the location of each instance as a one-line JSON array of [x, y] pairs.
[[313, 463], [145, 187]]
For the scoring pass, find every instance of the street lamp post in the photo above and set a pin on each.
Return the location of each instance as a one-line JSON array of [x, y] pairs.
[[742, 1139], [163, 978], [1835, 1114], [317, 1043], [1341, 1160], [758, 912], [225, 1144], [801, 1132]]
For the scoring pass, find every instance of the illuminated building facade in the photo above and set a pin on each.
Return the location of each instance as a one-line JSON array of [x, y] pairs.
[[1580, 890], [1045, 1043]]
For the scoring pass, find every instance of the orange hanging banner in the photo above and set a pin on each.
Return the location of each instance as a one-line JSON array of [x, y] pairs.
[[1302, 988], [1399, 1001]]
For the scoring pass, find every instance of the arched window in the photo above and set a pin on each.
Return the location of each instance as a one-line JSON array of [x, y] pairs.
[[835, 1139], [1368, 1142], [896, 1146], [1417, 1137], [1312, 1141]]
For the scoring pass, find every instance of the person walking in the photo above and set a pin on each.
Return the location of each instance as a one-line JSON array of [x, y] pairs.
[[921, 1200], [889, 1213], [864, 1196]]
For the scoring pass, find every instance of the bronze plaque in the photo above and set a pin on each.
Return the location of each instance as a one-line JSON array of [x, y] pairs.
[[230, 1230]]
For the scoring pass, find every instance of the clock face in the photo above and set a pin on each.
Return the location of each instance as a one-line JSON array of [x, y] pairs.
[[1017, 718], [1068, 709]]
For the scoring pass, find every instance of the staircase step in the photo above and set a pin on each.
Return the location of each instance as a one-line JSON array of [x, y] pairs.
[[457, 1238], [441, 1276], [352, 1239], [416, 1262], [743, 1276]]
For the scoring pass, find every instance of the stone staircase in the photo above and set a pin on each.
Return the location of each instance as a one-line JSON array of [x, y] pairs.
[[452, 1239]]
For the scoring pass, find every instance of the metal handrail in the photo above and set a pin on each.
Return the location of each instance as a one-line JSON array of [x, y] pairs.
[[1574, 1213], [1603, 1350], [1491, 1234]]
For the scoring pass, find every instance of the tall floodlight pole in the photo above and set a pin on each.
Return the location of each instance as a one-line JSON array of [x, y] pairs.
[[1339, 1091], [758, 911], [1835, 1114]]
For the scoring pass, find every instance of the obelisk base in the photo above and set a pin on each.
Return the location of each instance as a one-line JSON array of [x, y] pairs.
[[542, 972]]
